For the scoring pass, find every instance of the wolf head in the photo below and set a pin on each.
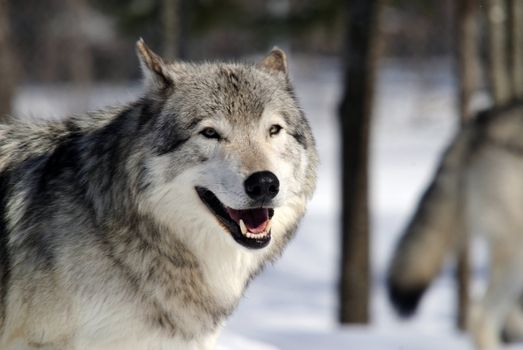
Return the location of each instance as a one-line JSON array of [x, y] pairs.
[[232, 159]]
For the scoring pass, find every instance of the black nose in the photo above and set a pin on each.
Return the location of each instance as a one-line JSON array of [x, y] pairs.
[[262, 185]]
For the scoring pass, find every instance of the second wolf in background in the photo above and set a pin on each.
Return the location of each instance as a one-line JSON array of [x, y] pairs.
[[477, 188]]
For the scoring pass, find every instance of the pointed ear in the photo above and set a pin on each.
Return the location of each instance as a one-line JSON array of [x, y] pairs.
[[153, 67], [275, 61]]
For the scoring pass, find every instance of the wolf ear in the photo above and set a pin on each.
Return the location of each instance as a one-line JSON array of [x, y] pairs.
[[153, 67], [275, 61]]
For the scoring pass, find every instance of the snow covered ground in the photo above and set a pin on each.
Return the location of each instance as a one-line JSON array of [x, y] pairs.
[[292, 305]]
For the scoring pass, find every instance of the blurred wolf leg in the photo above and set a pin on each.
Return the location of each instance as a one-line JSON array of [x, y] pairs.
[[513, 327], [504, 288]]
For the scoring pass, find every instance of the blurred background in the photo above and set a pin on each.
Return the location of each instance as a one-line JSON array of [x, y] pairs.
[[56, 41], [379, 80]]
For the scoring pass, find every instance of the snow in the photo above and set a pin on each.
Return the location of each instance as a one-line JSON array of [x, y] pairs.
[[292, 305]]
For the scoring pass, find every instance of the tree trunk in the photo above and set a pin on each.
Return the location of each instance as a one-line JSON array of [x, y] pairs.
[[361, 48], [175, 23], [497, 51], [467, 55], [171, 28], [516, 46], [7, 64], [467, 64], [80, 57]]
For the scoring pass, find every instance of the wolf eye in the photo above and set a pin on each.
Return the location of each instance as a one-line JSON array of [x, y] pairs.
[[275, 129], [210, 133]]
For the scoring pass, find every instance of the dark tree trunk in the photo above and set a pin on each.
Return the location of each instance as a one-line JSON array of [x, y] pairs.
[[516, 46], [467, 55], [467, 64], [498, 71], [171, 28], [175, 28], [7, 63], [360, 55], [79, 58], [80, 55]]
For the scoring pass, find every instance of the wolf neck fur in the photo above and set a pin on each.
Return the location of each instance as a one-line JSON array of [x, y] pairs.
[[168, 269], [224, 270]]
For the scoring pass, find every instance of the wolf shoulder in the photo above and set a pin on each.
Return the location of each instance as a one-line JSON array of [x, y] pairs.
[[24, 137]]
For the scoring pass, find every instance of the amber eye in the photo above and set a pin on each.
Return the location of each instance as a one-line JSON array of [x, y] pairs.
[[210, 133], [275, 129]]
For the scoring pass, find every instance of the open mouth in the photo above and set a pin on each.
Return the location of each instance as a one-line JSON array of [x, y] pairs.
[[249, 227]]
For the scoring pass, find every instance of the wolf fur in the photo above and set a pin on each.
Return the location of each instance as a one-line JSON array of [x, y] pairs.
[[477, 188], [104, 241]]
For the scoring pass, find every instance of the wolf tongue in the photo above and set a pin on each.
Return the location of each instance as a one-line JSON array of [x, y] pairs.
[[255, 220]]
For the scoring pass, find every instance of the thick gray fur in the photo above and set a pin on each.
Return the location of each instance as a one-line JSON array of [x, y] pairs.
[[477, 189], [85, 263]]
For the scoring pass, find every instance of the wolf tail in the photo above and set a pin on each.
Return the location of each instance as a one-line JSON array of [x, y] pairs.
[[432, 232]]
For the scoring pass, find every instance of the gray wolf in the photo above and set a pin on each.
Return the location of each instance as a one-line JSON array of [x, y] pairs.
[[139, 227], [478, 189]]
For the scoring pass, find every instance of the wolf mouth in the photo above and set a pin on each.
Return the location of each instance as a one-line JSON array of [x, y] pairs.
[[249, 227]]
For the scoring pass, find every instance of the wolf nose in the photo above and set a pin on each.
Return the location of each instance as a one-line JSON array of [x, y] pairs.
[[262, 185]]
